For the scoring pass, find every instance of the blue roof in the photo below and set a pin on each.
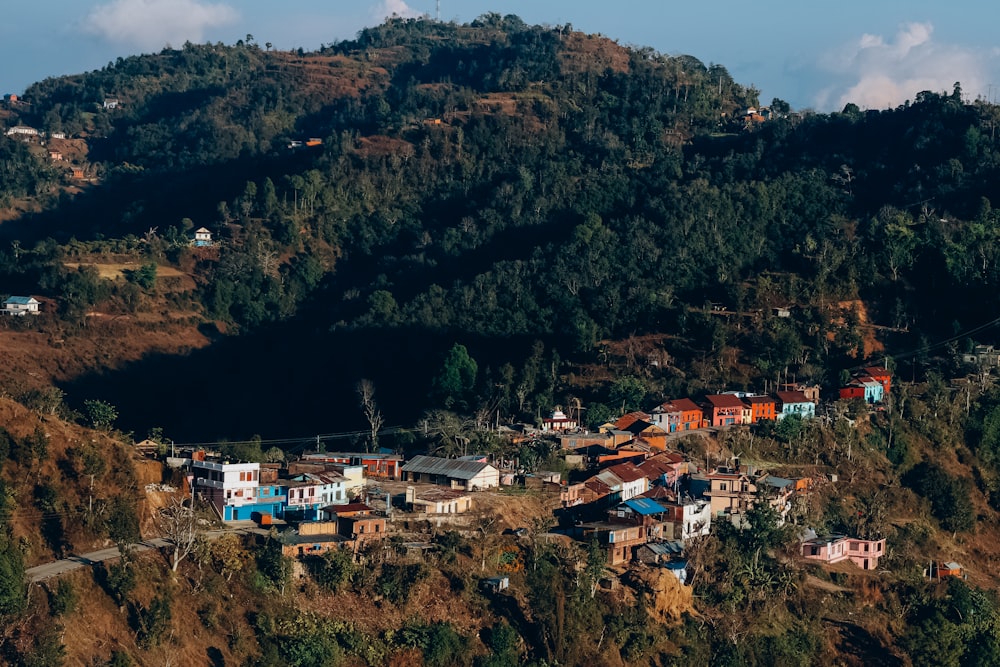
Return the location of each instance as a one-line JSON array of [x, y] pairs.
[[644, 506], [19, 300]]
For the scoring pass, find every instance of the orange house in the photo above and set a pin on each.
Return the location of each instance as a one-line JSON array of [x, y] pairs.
[[682, 414], [761, 407]]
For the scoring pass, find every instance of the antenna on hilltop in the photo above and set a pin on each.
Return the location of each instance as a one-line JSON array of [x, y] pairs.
[[438, 10]]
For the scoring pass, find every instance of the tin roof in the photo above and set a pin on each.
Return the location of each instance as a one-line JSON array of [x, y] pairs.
[[433, 465], [644, 506]]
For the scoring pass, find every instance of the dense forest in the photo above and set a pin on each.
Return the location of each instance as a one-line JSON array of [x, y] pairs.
[[489, 221]]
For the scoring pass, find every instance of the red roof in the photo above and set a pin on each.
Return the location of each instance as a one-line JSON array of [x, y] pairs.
[[759, 399], [630, 418], [792, 397], [724, 401], [349, 508], [680, 405], [626, 472], [878, 372]]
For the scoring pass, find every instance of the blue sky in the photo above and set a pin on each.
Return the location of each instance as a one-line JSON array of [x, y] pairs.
[[875, 53]]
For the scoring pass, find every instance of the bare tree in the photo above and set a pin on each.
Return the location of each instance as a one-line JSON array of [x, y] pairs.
[[366, 395], [486, 524], [179, 525]]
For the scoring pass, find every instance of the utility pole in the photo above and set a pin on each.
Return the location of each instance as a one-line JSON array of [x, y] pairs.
[[438, 10]]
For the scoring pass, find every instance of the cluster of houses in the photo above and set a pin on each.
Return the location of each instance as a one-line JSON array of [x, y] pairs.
[[635, 497], [637, 505]]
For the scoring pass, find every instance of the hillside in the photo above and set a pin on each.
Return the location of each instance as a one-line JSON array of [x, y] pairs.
[[489, 222]]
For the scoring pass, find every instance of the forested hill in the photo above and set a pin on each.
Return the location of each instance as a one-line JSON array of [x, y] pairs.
[[499, 184]]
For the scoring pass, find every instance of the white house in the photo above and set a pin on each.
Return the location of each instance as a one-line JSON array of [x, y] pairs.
[[468, 475], [228, 486], [696, 518], [202, 237], [625, 478], [22, 131], [21, 305], [308, 493]]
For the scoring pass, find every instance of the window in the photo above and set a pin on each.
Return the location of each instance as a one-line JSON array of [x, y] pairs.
[[722, 486]]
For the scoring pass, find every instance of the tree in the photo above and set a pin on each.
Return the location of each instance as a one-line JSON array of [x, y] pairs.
[[457, 377], [366, 395], [13, 587], [123, 526], [102, 415], [179, 525]]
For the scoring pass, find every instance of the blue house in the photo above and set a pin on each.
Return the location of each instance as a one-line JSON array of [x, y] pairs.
[[795, 403]]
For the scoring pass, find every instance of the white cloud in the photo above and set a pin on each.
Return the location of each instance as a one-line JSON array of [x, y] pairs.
[[878, 73], [151, 24], [386, 8]]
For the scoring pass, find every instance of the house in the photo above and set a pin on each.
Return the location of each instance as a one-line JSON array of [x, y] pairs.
[[983, 356], [496, 584], [467, 475], [649, 433], [55, 154], [629, 418], [761, 407], [22, 131], [10, 98], [308, 493], [572, 440], [864, 387], [202, 238], [882, 376], [656, 553], [723, 409], [665, 468], [681, 414], [795, 403], [734, 490], [314, 141], [781, 312], [558, 422], [625, 478], [234, 489], [618, 540], [376, 465], [356, 521], [21, 305], [644, 512], [835, 548], [944, 570], [58, 135], [313, 538], [570, 495], [110, 103], [438, 501]]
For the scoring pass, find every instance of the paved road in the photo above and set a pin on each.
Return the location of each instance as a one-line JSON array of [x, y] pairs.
[[54, 569], [49, 570]]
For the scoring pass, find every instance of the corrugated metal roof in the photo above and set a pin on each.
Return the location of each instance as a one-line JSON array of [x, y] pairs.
[[668, 548], [644, 506], [432, 465], [20, 300]]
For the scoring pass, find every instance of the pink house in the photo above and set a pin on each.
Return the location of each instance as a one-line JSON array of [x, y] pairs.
[[835, 548]]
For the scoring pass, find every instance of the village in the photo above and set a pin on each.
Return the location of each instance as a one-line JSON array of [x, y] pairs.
[[624, 487]]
